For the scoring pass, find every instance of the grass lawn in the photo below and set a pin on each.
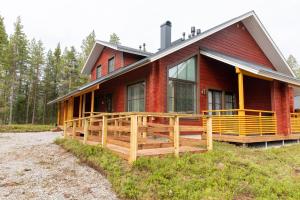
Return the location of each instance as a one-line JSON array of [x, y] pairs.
[[227, 172], [14, 128]]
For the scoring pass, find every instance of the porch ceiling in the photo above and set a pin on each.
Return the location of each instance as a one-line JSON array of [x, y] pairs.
[[251, 67]]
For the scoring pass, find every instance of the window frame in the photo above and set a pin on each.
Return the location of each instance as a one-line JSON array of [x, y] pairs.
[[195, 83], [108, 66], [144, 95], [98, 69]]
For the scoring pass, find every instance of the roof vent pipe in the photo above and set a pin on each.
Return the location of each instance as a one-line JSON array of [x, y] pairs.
[[165, 35], [198, 31], [183, 36], [144, 46], [193, 30]]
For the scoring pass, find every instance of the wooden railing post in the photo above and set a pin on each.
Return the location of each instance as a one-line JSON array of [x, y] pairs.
[[85, 130], [171, 123], [104, 131], [260, 123], [133, 138], [74, 129], [176, 136], [209, 139], [65, 129], [144, 124]]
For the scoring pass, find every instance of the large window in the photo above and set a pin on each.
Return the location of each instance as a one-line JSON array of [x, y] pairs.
[[182, 87], [98, 71], [111, 65], [136, 97]]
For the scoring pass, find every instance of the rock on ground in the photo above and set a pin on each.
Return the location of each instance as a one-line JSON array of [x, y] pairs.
[[32, 167]]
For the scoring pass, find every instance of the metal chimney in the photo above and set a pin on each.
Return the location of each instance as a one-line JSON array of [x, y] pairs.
[[165, 35], [193, 30]]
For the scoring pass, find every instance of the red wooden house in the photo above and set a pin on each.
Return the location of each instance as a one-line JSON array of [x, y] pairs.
[[233, 72]]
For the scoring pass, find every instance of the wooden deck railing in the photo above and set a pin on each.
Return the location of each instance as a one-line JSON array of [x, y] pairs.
[[242, 122], [295, 122], [142, 134]]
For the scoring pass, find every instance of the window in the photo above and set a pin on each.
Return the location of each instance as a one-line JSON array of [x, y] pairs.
[[111, 64], [98, 71], [182, 87], [136, 97], [215, 101]]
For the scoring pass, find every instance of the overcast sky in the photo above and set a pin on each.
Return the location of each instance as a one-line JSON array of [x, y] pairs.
[[138, 21]]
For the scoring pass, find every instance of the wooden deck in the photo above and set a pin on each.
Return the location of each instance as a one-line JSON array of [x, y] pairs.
[[133, 135], [254, 138]]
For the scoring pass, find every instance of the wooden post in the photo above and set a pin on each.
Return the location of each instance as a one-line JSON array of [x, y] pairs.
[[65, 111], [104, 130], [133, 138], [116, 125], [209, 140], [144, 124], [140, 122], [58, 113], [74, 129], [83, 104], [171, 123], [80, 110], [241, 111], [176, 136], [85, 131], [65, 129], [92, 106]]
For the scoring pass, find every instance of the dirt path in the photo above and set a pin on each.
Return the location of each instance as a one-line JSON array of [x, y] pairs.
[[32, 167]]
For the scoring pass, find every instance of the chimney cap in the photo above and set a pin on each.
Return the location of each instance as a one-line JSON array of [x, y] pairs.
[[168, 23]]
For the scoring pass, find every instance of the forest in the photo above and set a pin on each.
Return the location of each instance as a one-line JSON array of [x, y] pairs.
[[31, 76]]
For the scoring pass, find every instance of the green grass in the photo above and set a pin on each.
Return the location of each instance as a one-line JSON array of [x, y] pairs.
[[16, 128], [227, 172]]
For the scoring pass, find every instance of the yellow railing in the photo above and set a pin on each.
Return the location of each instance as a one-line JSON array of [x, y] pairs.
[[242, 122], [295, 122]]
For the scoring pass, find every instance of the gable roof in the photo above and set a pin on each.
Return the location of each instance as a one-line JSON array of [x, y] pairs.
[[257, 31], [98, 48], [249, 19]]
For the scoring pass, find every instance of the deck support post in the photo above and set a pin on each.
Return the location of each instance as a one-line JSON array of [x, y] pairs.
[[58, 113], [144, 124], [80, 110], [176, 136], [133, 138], [74, 129], [85, 131], [266, 145], [209, 136], [92, 105], [171, 123], [65, 129], [104, 131]]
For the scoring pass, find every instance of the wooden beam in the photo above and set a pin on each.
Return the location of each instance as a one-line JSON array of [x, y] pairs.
[[58, 113], [83, 104], [241, 91], [74, 129], [92, 102], [209, 139], [176, 136], [104, 131], [133, 139], [85, 131], [171, 123], [144, 124]]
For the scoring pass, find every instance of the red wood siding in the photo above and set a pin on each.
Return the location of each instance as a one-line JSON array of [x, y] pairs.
[[131, 58], [236, 41], [121, 59], [257, 94]]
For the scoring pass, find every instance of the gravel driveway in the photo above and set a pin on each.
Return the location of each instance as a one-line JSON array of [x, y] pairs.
[[32, 167]]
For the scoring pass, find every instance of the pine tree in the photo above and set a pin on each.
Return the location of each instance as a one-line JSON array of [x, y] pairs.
[[3, 72], [292, 61], [114, 38], [86, 47], [18, 58]]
